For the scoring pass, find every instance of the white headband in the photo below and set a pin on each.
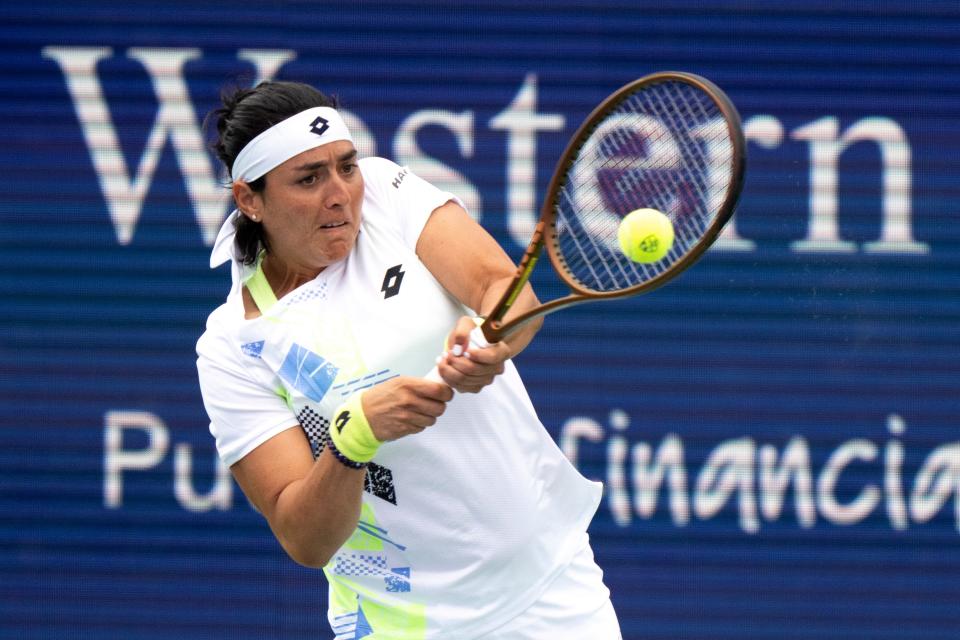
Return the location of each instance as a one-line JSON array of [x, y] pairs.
[[282, 141], [298, 133]]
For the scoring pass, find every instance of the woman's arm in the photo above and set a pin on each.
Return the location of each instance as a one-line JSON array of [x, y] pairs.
[[314, 506], [469, 263]]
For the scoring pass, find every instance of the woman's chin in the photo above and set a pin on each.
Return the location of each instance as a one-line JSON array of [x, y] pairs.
[[335, 251]]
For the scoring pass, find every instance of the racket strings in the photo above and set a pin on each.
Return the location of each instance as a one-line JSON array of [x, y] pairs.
[[667, 147], [586, 246], [589, 242], [676, 117]]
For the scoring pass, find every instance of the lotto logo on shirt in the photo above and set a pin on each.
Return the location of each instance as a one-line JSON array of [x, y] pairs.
[[392, 280]]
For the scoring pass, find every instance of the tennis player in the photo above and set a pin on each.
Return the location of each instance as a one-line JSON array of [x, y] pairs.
[[436, 509]]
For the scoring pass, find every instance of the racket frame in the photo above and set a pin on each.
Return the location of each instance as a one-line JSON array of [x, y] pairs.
[[545, 233]]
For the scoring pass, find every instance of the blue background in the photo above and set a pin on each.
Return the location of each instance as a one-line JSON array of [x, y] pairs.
[[769, 344]]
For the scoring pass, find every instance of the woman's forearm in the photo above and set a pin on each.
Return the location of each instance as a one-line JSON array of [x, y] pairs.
[[313, 517]]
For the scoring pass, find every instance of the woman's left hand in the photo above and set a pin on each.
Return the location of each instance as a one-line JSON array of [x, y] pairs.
[[466, 368]]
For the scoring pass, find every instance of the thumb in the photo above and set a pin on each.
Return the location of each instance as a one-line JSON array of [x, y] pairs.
[[431, 389], [459, 339]]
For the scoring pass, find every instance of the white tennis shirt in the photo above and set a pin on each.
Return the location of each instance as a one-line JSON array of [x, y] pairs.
[[463, 525]]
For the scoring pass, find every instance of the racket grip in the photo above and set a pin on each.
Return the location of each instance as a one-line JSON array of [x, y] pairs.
[[477, 340]]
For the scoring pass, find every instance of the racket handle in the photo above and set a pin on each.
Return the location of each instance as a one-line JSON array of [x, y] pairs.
[[477, 340]]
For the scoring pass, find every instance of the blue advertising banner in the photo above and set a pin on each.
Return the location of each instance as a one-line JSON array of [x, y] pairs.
[[776, 430]]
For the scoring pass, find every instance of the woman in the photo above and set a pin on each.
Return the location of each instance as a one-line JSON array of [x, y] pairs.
[[437, 509]]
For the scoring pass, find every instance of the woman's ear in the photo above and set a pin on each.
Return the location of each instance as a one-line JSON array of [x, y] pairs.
[[248, 201]]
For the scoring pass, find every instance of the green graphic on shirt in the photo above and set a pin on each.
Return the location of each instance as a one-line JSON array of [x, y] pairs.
[[362, 540], [357, 609]]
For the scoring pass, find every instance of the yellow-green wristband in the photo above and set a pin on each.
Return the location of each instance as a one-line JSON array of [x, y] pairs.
[[351, 433]]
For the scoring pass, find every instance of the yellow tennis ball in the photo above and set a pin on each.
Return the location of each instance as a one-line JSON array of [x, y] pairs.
[[645, 235]]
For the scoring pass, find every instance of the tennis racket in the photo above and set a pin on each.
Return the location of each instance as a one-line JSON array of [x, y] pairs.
[[670, 141]]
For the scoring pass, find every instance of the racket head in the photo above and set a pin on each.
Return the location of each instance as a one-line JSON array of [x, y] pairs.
[[670, 141]]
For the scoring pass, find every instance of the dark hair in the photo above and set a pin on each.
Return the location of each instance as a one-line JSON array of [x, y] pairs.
[[245, 114]]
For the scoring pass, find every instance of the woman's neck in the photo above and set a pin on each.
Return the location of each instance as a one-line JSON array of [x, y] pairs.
[[285, 277]]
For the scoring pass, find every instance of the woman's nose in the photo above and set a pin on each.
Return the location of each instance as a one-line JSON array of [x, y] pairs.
[[337, 192]]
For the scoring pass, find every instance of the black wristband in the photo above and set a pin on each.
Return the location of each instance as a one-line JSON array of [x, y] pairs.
[[342, 459]]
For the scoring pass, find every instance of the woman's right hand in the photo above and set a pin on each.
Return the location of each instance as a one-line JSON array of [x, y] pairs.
[[404, 405]]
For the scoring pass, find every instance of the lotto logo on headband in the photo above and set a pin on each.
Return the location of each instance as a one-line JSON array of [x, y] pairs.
[[288, 138], [325, 124]]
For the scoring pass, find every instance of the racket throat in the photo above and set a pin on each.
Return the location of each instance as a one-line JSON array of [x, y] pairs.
[[494, 323]]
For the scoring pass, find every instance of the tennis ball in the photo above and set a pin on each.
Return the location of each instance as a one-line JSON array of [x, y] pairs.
[[645, 235]]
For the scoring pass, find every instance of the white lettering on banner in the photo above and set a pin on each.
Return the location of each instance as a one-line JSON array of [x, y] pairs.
[[616, 488], [522, 122], [220, 495], [861, 506], [117, 460], [177, 121], [266, 62], [892, 480], [576, 429], [648, 476], [794, 467], [767, 132], [407, 152], [363, 140], [712, 135], [938, 479], [753, 479], [825, 149], [737, 470], [728, 471]]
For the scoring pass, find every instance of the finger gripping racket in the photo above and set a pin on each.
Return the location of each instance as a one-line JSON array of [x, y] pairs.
[[670, 141]]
